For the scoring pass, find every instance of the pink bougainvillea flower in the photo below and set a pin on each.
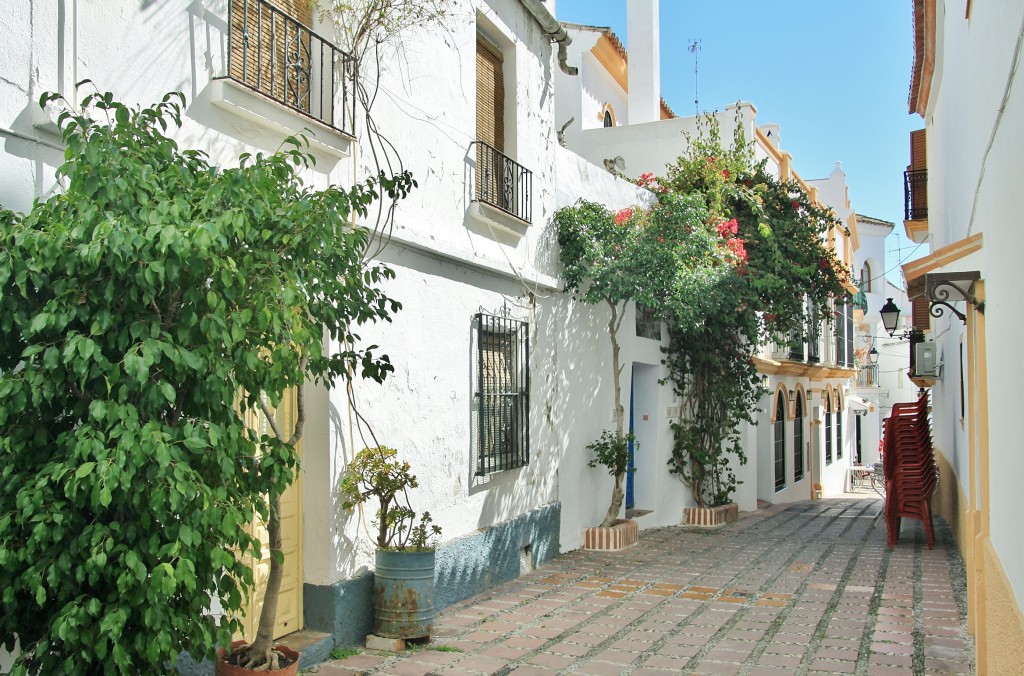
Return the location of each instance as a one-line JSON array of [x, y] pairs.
[[726, 228], [623, 216]]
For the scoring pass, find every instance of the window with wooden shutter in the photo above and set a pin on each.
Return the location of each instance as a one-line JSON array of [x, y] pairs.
[[918, 150], [269, 41], [915, 179], [490, 96], [922, 320]]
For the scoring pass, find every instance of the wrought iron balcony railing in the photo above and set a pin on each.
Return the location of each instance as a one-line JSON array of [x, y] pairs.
[[915, 195], [867, 376], [502, 182], [281, 58]]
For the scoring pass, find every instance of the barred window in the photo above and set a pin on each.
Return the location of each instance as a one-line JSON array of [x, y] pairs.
[[503, 393], [780, 442], [828, 428], [648, 324], [798, 439]]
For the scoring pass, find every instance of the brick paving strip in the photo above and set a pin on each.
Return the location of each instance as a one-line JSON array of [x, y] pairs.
[[807, 588]]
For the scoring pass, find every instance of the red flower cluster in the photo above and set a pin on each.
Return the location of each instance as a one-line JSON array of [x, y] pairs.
[[726, 228], [725, 172], [647, 180], [735, 245], [622, 217], [796, 205]]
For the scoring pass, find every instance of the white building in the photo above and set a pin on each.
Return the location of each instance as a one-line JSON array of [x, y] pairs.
[[470, 109], [962, 193]]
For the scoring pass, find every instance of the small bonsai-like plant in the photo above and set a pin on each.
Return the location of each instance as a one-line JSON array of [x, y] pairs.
[[377, 473]]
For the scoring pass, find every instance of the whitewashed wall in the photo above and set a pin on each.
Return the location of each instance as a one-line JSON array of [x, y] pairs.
[[975, 141]]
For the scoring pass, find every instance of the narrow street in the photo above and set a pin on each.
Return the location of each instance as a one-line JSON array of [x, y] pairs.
[[805, 588]]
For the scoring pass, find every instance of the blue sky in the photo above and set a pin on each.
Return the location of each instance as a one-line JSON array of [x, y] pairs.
[[834, 75]]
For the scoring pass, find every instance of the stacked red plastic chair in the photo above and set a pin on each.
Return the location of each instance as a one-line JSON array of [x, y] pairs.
[[909, 467]]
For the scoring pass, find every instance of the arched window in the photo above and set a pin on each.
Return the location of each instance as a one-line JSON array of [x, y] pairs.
[[780, 442], [865, 278], [607, 115], [798, 438], [828, 427], [839, 428]]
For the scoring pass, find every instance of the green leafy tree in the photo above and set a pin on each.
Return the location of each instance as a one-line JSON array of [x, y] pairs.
[[729, 257], [613, 259], [143, 312]]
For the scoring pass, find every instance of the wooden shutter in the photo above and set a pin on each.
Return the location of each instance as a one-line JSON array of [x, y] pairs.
[[918, 150], [490, 96], [922, 317], [260, 39]]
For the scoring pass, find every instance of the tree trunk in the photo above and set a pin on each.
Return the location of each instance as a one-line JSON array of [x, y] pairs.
[[262, 646], [260, 653], [618, 496], [618, 493]]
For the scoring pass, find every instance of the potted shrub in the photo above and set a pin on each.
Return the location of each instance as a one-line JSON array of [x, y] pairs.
[[403, 581]]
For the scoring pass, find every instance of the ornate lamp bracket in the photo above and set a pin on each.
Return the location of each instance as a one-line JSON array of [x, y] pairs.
[[942, 289]]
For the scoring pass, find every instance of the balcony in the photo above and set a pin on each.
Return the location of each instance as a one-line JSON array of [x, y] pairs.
[[280, 58], [915, 204], [502, 183], [867, 376]]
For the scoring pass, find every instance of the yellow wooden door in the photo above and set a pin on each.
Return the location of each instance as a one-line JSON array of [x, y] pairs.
[[289, 605]]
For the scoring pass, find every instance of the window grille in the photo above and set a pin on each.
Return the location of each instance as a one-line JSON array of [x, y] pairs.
[[503, 393], [798, 439], [648, 325], [839, 433], [828, 429], [780, 442]]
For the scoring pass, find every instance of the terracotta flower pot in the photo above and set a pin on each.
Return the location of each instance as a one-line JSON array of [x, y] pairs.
[[224, 669]]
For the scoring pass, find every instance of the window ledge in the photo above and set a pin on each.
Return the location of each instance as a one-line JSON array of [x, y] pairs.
[[496, 218], [235, 97]]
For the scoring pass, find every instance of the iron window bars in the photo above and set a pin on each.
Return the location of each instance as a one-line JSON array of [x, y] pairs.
[[915, 195], [502, 182], [780, 442], [798, 439], [276, 55], [503, 393]]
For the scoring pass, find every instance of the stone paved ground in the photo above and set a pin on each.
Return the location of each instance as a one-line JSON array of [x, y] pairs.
[[807, 588]]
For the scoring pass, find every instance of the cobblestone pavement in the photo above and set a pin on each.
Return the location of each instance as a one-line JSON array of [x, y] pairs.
[[806, 588]]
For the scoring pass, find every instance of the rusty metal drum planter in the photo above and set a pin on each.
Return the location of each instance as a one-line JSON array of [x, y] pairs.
[[403, 594]]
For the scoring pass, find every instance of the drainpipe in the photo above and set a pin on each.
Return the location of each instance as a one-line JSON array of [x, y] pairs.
[[554, 30]]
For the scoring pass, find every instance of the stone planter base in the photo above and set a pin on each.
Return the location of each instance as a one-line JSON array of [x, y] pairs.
[[624, 533], [711, 517]]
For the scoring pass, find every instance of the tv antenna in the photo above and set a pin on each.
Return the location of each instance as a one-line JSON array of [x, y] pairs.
[[695, 49]]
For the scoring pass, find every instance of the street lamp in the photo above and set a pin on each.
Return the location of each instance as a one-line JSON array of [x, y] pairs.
[[873, 355], [890, 313]]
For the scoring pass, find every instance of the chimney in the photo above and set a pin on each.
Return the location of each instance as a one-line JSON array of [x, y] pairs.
[[644, 66]]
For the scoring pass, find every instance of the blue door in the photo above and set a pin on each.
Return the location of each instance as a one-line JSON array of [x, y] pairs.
[[632, 449]]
